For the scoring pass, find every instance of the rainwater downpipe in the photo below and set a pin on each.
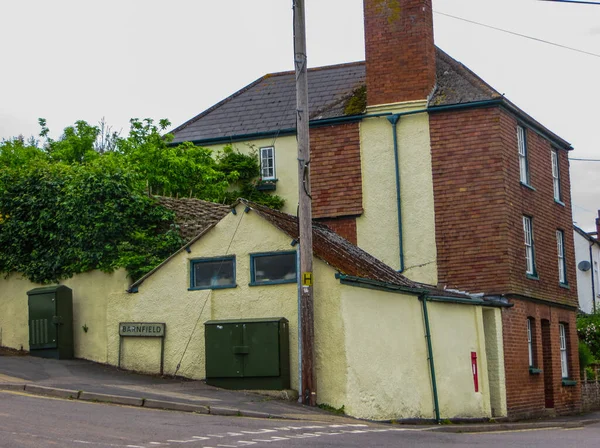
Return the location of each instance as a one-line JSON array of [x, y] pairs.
[[593, 280], [393, 119], [436, 404]]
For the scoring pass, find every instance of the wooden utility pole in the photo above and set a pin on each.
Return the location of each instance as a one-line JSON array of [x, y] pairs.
[[308, 390]]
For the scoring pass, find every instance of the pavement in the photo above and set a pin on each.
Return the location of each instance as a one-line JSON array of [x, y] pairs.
[[85, 380]]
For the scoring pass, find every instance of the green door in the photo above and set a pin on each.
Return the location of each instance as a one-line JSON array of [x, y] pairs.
[[263, 354], [42, 329]]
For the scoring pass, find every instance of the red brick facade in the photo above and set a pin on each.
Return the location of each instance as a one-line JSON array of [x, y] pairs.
[[399, 50], [345, 226], [529, 394], [479, 208], [336, 182]]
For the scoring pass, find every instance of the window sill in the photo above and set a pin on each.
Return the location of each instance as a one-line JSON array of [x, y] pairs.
[[267, 185], [532, 276], [201, 288], [564, 285], [535, 371], [559, 202], [569, 383], [273, 282], [527, 186]]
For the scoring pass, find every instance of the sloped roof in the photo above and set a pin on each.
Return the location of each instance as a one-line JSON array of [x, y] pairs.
[[344, 256], [193, 215], [268, 104], [328, 246]]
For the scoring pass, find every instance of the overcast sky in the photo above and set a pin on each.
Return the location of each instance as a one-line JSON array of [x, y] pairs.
[[66, 60]]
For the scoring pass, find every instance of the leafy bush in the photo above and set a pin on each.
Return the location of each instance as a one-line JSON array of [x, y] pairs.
[[588, 329]]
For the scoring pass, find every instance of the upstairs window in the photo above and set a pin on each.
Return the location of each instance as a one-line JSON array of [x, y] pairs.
[[523, 162], [529, 250], [564, 358], [273, 268], [212, 273], [562, 267], [555, 175], [267, 163]]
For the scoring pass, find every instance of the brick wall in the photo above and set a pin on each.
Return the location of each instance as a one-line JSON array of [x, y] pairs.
[[399, 50], [480, 203], [345, 226], [336, 182], [529, 394]]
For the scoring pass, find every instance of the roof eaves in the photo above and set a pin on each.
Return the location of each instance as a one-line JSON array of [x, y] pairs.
[[586, 235]]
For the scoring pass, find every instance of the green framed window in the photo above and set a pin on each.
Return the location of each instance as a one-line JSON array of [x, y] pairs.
[[212, 273], [273, 268]]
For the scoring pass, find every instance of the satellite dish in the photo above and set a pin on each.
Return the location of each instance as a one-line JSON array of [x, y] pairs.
[[584, 265]]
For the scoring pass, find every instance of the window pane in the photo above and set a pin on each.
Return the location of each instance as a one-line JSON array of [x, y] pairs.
[[275, 268], [529, 343], [209, 274], [555, 175], [267, 163]]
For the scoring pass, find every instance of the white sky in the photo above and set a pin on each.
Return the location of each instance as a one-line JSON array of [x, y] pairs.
[[66, 60]]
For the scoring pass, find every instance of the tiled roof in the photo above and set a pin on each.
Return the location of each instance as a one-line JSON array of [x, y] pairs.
[[269, 103], [193, 215], [344, 256]]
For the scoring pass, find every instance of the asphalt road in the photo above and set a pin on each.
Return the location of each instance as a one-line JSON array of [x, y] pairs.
[[33, 421]]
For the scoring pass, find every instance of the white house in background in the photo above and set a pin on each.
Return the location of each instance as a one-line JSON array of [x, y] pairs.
[[587, 257]]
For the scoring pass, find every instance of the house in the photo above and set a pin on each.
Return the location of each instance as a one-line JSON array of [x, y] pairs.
[[386, 347], [587, 257], [424, 165]]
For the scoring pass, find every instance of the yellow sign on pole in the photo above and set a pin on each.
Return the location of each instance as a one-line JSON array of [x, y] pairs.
[[307, 279]]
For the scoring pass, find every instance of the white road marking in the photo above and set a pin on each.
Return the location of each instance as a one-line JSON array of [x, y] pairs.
[[76, 441], [260, 431], [245, 442], [215, 435], [200, 438], [229, 446], [182, 441]]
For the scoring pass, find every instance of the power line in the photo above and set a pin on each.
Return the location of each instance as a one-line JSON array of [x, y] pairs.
[[573, 1], [520, 35]]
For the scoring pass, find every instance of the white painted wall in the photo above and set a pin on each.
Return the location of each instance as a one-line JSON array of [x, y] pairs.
[[584, 279]]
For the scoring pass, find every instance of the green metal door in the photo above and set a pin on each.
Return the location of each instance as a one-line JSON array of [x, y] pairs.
[[225, 351], [263, 354], [42, 329]]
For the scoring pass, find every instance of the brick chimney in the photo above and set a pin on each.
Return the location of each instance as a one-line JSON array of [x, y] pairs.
[[399, 50]]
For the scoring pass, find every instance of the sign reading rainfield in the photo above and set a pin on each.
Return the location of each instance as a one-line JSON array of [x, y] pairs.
[[145, 329]]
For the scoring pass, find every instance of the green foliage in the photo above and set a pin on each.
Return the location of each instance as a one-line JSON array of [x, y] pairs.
[[588, 329], [338, 411], [586, 357], [60, 220], [81, 202]]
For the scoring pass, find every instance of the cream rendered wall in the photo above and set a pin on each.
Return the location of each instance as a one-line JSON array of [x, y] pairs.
[[388, 372], [494, 348], [377, 228], [164, 297], [387, 326], [456, 331], [286, 165], [90, 296]]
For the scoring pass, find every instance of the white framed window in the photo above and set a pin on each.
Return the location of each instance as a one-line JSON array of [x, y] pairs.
[[562, 267], [267, 163], [555, 175], [523, 163], [564, 359], [529, 250], [530, 341]]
